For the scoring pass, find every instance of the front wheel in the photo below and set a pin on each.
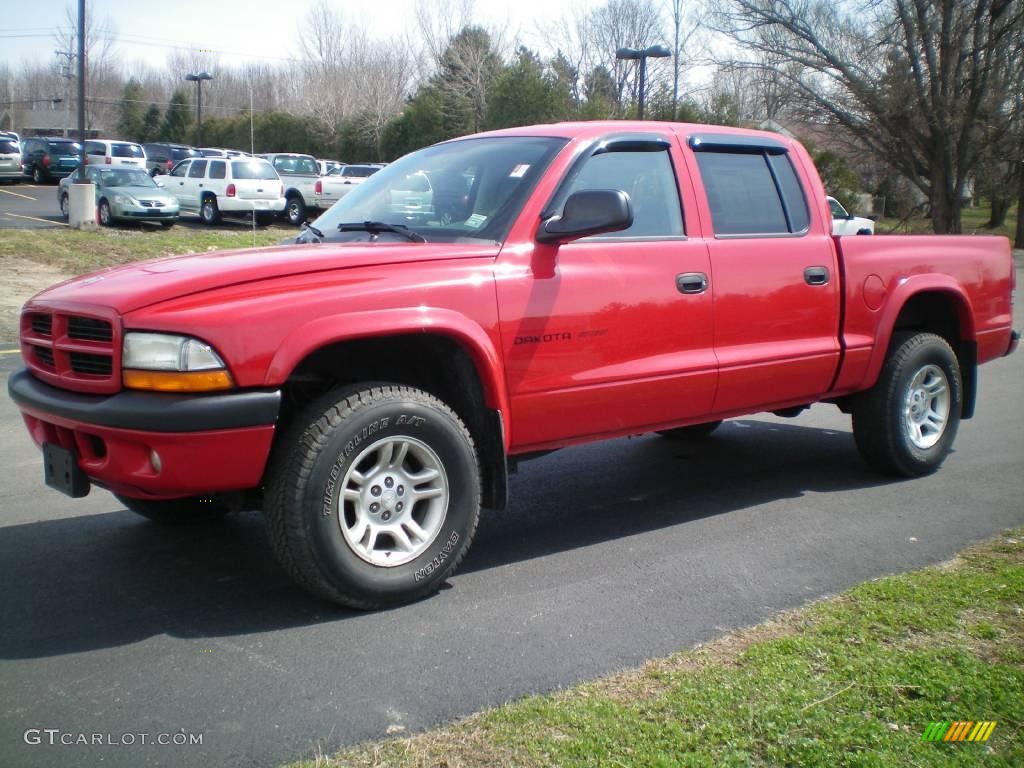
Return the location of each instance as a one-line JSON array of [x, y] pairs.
[[106, 217], [373, 495], [905, 425], [194, 510]]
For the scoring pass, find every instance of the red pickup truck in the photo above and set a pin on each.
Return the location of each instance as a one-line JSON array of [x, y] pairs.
[[371, 388]]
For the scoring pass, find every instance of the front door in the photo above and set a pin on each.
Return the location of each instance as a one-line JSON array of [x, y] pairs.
[[599, 336]]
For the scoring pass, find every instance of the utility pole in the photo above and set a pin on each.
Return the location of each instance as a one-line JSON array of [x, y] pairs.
[[81, 77], [67, 75]]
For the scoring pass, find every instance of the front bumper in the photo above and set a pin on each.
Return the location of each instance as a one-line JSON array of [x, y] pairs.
[[204, 443], [144, 213]]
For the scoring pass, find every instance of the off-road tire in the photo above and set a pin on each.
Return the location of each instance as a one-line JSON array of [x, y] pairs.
[[881, 414], [295, 210], [305, 486]]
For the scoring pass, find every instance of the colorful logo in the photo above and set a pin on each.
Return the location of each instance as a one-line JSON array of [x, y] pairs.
[[959, 730]]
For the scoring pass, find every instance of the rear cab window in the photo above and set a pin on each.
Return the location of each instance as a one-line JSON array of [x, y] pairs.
[[751, 186]]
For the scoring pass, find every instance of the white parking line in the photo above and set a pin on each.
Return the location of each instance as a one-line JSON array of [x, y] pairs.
[[34, 218], [10, 351], [17, 194]]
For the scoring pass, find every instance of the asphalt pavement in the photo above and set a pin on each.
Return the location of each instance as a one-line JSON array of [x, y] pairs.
[[610, 554], [29, 206]]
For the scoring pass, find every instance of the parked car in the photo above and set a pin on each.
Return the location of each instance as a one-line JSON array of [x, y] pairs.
[[299, 174], [844, 223], [123, 194], [10, 160], [335, 185], [218, 152], [125, 154], [326, 166], [47, 159], [594, 280], [160, 158], [212, 187]]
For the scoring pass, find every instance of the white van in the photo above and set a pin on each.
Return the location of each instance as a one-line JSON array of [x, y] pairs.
[[214, 186], [127, 154]]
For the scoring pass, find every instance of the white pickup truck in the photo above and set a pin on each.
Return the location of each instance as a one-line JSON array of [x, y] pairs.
[[844, 223], [339, 182], [300, 174]]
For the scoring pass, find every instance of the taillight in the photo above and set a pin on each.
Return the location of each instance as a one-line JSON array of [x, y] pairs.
[[231, 190], [281, 193], [46, 159], [318, 188], [108, 161]]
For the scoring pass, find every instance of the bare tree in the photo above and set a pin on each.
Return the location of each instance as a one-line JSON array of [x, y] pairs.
[[914, 80], [629, 24], [687, 23]]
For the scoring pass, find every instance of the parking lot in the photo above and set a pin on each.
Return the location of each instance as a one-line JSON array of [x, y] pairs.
[[29, 206], [610, 554]]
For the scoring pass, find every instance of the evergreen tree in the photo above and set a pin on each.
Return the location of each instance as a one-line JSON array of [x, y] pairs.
[[130, 121], [150, 124], [177, 119]]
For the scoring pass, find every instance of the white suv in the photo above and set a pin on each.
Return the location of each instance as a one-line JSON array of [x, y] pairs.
[[214, 186], [844, 223], [117, 153]]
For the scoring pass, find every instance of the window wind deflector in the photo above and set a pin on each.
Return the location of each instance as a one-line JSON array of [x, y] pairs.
[[376, 227], [724, 142], [632, 142]]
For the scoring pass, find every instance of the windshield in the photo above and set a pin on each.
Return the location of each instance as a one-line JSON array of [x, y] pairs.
[[126, 178], [467, 189], [252, 169]]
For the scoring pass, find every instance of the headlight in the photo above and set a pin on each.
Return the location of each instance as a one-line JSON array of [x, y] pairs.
[[168, 363], [126, 200]]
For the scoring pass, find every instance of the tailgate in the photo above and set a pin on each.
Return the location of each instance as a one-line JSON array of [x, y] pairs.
[[258, 189]]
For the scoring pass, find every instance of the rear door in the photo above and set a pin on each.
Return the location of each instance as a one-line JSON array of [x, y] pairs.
[[774, 273], [255, 180]]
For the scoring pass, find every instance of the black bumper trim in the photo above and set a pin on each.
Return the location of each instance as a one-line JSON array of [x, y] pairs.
[[148, 411]]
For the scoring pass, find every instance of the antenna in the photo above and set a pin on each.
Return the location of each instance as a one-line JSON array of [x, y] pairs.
[[252, 152]]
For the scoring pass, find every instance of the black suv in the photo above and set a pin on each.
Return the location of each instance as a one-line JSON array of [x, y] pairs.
[[49, 159], [160, 158]]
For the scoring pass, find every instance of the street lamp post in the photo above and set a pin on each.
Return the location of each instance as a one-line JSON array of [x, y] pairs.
[[632, 54], [198, 80]]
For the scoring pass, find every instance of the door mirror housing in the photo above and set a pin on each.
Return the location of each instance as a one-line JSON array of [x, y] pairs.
[[588, 212]]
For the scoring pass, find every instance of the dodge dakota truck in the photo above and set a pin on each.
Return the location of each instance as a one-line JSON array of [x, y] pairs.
[[371, 387]]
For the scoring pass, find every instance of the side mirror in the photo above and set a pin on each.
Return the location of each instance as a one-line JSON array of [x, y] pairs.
[[586, 213]]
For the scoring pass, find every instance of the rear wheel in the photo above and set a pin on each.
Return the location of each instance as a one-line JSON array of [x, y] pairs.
[[209, 211], [37, 176], [295, 210], [189, 511], [373, 495], [692, 432], [905, 425]]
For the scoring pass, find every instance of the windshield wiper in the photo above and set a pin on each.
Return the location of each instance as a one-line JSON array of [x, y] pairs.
[[376, 227]]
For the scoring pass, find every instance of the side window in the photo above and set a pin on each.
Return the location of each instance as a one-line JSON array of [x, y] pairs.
[[198, 169], [752, 193], [180, 169], [218, 169], [95, 148], [650, 182]]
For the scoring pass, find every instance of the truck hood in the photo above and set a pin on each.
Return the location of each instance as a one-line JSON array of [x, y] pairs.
[[133, 286]]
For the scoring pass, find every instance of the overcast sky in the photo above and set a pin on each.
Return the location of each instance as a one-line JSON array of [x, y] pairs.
[[239, 30]]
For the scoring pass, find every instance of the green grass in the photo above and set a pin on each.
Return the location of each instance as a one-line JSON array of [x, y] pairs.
[[78, 251], [852, 681], [973, 221]]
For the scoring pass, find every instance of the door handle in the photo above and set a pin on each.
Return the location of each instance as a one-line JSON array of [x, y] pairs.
[[816, 275], [692, 282]]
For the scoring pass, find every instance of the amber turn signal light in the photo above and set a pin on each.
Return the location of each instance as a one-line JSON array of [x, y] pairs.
[[177, 381]]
